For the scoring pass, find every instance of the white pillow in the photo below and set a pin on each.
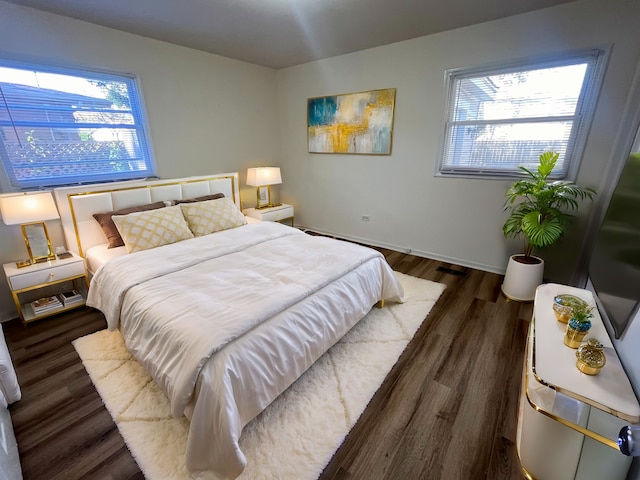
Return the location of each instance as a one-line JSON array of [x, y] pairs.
[[212, 216], [152, 228]]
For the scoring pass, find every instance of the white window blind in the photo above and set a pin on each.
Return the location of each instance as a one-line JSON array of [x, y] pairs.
[[62, 127], [500, 118]]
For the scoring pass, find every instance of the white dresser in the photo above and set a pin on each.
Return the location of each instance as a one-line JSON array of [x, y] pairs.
[[568, 422]]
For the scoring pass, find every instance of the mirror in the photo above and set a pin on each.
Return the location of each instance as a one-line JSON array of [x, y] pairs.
[[615, 261], [37, 239]]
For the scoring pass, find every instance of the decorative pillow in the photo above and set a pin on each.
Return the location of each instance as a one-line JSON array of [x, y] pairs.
[[144, 230], [203, 198], [109, 228], [212, 216]]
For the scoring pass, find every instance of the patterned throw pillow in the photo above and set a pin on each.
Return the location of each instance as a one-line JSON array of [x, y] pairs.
[[144, 230], [109, 228], [212, 216]]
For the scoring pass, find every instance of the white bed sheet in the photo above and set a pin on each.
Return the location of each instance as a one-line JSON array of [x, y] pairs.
[[267, 335], [98, 255]]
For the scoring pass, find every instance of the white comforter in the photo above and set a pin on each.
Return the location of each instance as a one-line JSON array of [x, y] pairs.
[[226, 322]]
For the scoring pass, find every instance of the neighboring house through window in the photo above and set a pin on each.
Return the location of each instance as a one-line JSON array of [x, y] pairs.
[[499, 118], [61, 126]]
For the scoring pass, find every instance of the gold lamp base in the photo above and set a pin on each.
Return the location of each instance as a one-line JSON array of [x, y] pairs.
[[264, 198], [23, 263], [269, 205], [32, 261]]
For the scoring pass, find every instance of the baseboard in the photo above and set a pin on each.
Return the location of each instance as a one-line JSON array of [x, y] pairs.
[[417, 253]]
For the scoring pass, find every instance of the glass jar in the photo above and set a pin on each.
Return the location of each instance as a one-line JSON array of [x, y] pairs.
[[563, 305], [590, 357]]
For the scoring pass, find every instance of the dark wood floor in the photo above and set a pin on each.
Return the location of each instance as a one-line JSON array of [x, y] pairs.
[[446, 411]]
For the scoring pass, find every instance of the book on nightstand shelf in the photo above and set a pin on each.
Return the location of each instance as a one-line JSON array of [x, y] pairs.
[[45, 304], [70, 298]]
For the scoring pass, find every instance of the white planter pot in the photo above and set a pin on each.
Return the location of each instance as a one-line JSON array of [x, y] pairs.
[[522, 279]]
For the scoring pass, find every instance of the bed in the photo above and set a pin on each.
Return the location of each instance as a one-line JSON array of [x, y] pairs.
[[223, 321]]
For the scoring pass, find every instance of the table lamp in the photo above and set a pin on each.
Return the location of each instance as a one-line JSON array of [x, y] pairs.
[[30, 210], [263, 178]]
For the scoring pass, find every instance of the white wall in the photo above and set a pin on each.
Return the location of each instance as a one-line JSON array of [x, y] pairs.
[[206, 113], [453, 219]]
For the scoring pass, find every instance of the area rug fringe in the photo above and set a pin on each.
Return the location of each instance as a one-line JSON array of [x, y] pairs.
[[296, 436]]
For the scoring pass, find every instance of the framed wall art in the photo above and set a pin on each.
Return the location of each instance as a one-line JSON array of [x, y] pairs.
[[356, 123]]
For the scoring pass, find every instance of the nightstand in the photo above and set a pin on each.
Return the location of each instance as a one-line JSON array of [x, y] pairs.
[[282, 213], [43, 280]]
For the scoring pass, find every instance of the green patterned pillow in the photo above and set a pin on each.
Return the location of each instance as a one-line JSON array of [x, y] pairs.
[[144, 230], [212, 216]]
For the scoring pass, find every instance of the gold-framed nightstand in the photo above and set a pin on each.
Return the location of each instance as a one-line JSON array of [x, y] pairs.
[[282, 213], [46, 279]]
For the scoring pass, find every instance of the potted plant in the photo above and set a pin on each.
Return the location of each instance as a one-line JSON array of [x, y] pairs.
[[578, 326], [538, 213]]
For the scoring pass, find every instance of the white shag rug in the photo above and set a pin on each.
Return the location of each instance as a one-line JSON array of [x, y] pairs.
[[296, 436]]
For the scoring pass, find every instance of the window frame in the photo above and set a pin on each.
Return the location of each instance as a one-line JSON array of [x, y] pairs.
[[138, 112], [582, 119]]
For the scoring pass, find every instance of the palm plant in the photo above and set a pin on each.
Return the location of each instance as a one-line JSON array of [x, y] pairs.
[[541, 215], [581, 318], [582, 313]]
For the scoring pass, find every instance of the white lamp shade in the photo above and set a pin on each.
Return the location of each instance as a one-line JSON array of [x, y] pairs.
[[258, 177], [27, 208]]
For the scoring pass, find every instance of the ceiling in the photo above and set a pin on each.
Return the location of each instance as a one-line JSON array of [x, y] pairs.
[[283, 33]]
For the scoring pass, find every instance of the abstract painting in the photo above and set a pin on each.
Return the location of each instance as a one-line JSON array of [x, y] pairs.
[[358, 123]]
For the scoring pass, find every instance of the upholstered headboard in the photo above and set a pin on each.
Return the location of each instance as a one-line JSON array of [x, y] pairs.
[[78, 204]]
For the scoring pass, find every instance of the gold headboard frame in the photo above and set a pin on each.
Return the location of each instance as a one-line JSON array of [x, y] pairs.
[[78, 203]]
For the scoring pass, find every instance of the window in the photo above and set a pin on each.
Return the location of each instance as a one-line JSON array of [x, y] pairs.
[[61, 126], [500, 118]]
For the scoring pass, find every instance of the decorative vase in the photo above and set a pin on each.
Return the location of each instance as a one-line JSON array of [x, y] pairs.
[[563, 306], [590, 357], [522, 277], [575, 332]]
